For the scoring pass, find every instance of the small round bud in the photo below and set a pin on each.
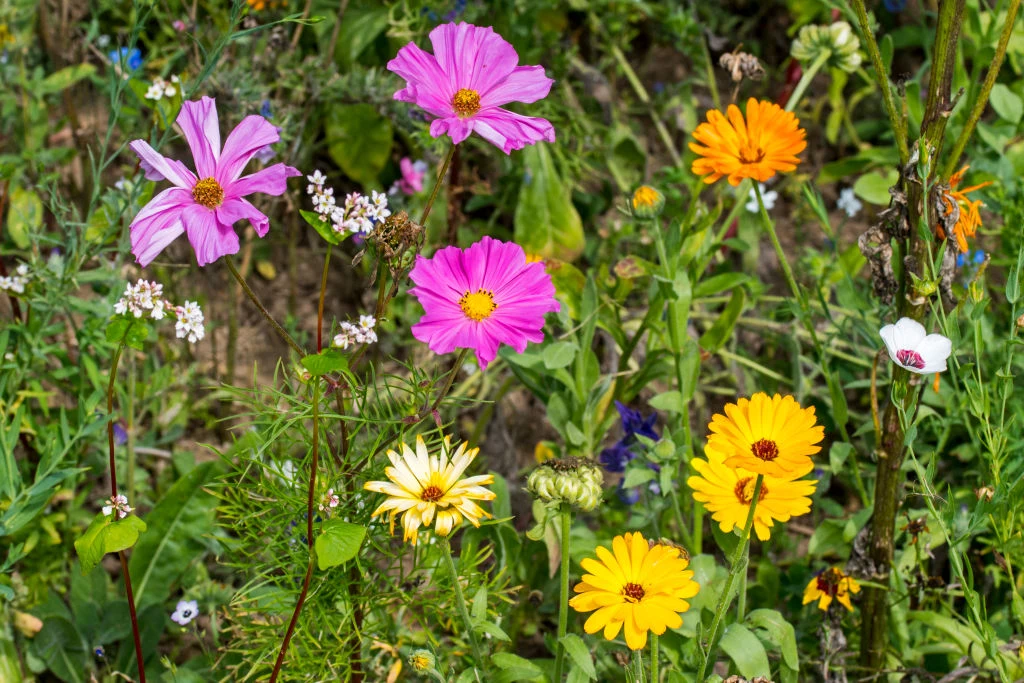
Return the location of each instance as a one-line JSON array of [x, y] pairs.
[[647, 202], [574, 481], [838, 40], [422, 660]]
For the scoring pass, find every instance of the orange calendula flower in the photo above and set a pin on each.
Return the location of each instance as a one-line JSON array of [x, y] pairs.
[[764, 143], [766, 435], [831, 584], [727, 492], [970, 217], [635, 587]]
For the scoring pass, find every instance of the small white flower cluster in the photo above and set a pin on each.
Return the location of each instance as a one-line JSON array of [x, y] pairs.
[[16, 283], [848, 202], [363, 333], [358, 214], [148, 296], [162, 88], [329, 501], [118, 503]]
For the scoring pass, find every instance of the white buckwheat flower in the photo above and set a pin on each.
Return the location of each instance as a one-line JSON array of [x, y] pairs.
[[330, 500], [848, 202], [769, 197], [119, 504], [16, 283], [911, 348], [190, 322]]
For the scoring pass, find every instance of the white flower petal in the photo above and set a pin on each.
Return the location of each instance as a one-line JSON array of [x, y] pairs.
[[909, 333]]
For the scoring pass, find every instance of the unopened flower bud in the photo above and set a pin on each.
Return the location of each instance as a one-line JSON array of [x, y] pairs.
[[838, 40], [422, 660], [575, 481], [647, 202]]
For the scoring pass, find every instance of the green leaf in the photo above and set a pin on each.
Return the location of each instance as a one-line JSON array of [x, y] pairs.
[[838, 454], [479, 609], [719, 283], [177, 525], [65, 78], [559, 354], [359, 140], [515, 668], [338, 543], [780, 632], [636, 476], [362, 26], [105, 535], [669, 401], [580, 654], [546, 222], [745, 650], [327, 361], [1006, 103], [719, 333], [874, 187], [25, 216], [116, 329], [492, 629], [322, 227], [137, 333]]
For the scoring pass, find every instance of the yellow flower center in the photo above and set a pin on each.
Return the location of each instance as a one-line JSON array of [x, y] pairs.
[[209, 193], [645, 195], [634, 592], [745, 490], [466, 102], [431, 494], [751, 155], [478, 305], [765, 449]]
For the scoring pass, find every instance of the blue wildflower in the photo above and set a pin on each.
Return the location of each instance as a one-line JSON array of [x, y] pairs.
[[131, 58], [615, 458], [635, 424], [120, 435], [98, 651], [265, 110], [895, 6]]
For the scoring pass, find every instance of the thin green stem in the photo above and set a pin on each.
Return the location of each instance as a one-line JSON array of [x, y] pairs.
[[737, 565], [460, 602], [741, 595], [684, 533], [320, 304], [437, 185], [266, 314], [641, 92], [563, 595], [805, 318], [709, 73], [981, 101], [806, 79], [899, 127], [654, 658], [638, 666]]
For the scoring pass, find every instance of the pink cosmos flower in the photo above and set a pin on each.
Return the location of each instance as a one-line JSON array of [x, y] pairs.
[[480, 298], [206, 206], [412, 175], [472, 72]]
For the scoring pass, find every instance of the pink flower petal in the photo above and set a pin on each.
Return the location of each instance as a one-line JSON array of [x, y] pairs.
[[248, 137], [210, 239], [473, 57], [426, 85], [158, 224], [199, 123], [524, 84], [272, 180], [456, 128], [234, 210], [158, 167], [509, 131]]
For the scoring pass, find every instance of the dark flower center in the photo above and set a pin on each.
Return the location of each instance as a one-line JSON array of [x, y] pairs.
[[910, 358], [634, 592], [466, 102], [185, 614], [765, 449], [209, 193], [829, 580], [431, 494], [745, 490]]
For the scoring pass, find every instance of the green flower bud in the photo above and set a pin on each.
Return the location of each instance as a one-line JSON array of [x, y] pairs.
[[574, 481], [422, 660], [838, 40], [647, 202]]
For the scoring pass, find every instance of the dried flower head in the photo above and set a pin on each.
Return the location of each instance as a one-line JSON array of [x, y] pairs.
[[741, 65]]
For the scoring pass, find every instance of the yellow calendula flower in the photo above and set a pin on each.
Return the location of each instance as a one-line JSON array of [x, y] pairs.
[[635, 587], [647, 202], [766, 435], [758, 146], [969, 220], [831, 584], [727, 493], [425, 487]]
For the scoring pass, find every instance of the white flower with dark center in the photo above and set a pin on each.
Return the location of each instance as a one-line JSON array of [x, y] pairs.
[[185, 611], [848, 202], [912, 348], [769, 197]]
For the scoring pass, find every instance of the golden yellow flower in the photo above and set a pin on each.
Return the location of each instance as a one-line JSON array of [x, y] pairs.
[[771, 436], [766, 142], [424, 487], [635, 587], [831, 584], [727, 493], [970, 217]]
